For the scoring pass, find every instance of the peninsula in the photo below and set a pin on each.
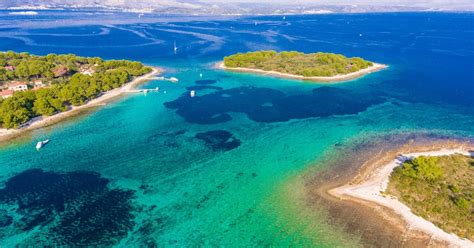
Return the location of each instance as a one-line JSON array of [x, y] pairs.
[[39, 90], [439, 189], [431, 191], [318, 67]]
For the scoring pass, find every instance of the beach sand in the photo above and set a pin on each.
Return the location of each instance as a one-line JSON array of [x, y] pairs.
[[337, 78], [44, 121], [377, 225], [375, 182]]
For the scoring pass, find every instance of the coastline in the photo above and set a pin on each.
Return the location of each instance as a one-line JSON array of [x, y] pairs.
[[44, 121], [372, 224], [367, 187], [337, 78]]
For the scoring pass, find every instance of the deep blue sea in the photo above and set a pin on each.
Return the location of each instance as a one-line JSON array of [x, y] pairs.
[[165, 169]]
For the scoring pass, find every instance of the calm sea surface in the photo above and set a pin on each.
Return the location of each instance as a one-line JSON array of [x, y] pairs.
[[170, 170]]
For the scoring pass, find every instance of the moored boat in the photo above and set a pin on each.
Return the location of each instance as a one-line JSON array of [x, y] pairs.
[[41, 144], [173, 79]]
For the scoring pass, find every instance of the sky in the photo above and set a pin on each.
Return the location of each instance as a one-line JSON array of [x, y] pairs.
[[344, 2], [439, 4], [414, 3]]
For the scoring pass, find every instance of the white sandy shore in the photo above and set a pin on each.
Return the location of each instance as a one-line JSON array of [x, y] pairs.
[[370, 190], [337, 78], [42, 121]]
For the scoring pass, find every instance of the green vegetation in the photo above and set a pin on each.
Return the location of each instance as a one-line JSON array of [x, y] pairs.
[[439, 189], [297, 63], [65, 85]]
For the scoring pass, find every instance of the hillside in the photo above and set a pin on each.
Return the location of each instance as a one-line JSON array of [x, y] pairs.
[[33, 86]]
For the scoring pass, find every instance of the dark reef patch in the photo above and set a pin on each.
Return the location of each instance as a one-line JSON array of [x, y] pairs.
[[269, 105], [5, 219], [205, 81], [203, 87], [219, 140], [76, 208]]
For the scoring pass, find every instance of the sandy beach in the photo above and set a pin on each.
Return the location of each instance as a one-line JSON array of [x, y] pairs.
[[337, 78], [352, 164], [43, 121], [368, 187]]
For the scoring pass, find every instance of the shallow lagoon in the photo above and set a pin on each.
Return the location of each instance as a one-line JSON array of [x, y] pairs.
[[174, 188]]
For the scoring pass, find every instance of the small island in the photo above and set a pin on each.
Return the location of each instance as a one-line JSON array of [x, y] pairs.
[[35, 87], [319, 67]]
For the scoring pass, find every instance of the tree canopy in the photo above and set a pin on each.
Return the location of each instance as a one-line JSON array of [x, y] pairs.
[[72, 88], [297, 63], [439, 189]]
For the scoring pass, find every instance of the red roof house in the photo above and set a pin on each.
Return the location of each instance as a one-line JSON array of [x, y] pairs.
[[60, 71], [6, 93]]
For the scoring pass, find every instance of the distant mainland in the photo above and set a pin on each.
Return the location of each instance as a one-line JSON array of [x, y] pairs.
[[318, 67]]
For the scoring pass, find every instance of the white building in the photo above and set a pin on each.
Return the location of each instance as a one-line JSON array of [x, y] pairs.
[[38, 84], [18, 86]]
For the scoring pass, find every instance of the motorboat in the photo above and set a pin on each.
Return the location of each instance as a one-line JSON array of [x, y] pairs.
[[173, 79], [41, 144]]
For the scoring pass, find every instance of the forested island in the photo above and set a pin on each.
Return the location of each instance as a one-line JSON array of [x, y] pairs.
[[33, 86], [439, 189], [313, 66]]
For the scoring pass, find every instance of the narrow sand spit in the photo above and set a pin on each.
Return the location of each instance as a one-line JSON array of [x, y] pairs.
[[370, 190]]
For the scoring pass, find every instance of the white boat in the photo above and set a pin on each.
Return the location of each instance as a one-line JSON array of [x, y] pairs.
[[192, 93], [40, 144], [173, 79], [284, 17], [175, 48], [200, 75]]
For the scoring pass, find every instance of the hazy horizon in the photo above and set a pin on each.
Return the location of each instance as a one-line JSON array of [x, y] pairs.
[[366, 5]]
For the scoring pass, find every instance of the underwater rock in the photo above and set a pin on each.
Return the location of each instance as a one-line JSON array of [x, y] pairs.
[[5, 219], [219, 140], [76, 208], [205, 81]]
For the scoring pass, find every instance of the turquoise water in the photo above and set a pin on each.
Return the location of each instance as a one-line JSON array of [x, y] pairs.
[[159, 184]]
